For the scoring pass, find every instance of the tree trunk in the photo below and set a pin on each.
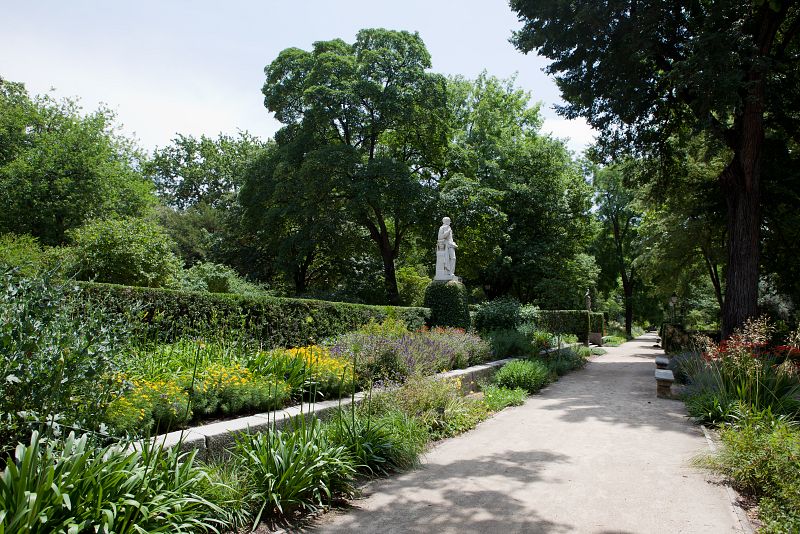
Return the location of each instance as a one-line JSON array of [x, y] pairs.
[[390, 277], [744, 222], [627, 287]]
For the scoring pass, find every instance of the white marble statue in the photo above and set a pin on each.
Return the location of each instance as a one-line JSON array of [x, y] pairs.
[[446, 253]]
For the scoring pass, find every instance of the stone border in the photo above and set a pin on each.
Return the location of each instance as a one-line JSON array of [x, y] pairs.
[[212, 440]]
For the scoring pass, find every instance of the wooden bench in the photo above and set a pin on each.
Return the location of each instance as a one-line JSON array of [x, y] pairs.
[[664, 380]]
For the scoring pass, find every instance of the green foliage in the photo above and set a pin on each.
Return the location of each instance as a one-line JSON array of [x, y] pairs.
[[295, 469], [510, 343], [498, 314], [57, 360], [217, 278], [597, 322], [437, 404], [73, 487], [276, 322], [21, 252], [565, 322], [761, 455], [60, 167], [378, 445], [498, 397], [412, 286], [566, 360], [365, 121], [530, 375], [129, 251], [448, 302], [613, 341]]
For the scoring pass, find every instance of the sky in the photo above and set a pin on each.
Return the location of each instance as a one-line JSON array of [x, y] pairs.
[[197, 67]]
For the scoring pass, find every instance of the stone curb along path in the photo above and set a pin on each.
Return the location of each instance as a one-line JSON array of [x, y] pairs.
[[595, 452]]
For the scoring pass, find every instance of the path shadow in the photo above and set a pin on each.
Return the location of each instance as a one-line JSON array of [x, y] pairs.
[[480, 495]]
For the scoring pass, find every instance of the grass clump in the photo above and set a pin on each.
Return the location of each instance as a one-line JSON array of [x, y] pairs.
[[497, 397], [761, 455], [530, 375]]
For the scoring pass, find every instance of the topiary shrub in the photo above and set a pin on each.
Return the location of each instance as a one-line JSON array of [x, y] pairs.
[[498, 314], [448, 304]]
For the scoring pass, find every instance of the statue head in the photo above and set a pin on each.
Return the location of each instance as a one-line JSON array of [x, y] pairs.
[[446, 221]]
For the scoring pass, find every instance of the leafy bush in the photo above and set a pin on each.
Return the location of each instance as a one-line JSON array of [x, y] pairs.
[[709, 407], [761, 454], [498, 397], [72, 487], [530, 375], [564, 322], [539, 339], [411, 285], [613, 341], [507, 343], [566, 360], [275, 322], [448, 302], [128, 251], [378, 445], [22, 252], [295, 469], [498, 314], [597, 322], [217, 278], [57, 362], [438, 404]]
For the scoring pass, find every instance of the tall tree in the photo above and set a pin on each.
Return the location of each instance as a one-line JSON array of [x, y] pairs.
[[641, 71], [372, 124], [60, 167], [620, 218]]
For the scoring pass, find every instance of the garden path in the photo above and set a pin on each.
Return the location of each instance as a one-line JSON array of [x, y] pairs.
[[595, 452]]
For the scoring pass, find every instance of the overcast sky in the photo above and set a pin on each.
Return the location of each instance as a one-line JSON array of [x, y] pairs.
[[197, 67]]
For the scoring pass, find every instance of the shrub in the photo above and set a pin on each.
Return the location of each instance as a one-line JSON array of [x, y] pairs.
[[22, 252], [530, 375], [127, 251], [76, 488], [295, 469], [275, 322], [597, 322], [613, 341], [438, 404], [217, 278], [506, 343], [498, 314], [57, 362], [565, 322], [761, 454], [378, 444], [498, 397], [411, 285], [566, 360], [448, 302], [539, 339]]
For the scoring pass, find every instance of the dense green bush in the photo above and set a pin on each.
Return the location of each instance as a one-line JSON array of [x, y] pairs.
[[274, 322], [507, 343], [530, 375], [498, 314], [128, 251], [22, 252], [565, 322], [57, 361], [563, 361], [448, 302], [217, 278], [411, 285]]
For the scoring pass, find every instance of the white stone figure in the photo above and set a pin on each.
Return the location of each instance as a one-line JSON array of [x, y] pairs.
[[445, 253]]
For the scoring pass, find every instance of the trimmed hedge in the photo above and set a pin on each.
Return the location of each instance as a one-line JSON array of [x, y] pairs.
[[275, 322], [565, 322], [597, 322], [448, 304]]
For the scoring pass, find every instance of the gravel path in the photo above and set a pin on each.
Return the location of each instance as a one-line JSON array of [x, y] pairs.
[[596, 452]]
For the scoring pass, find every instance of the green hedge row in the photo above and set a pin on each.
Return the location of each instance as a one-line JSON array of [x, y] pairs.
[[565, 322], [276, 322], [597, 322]]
